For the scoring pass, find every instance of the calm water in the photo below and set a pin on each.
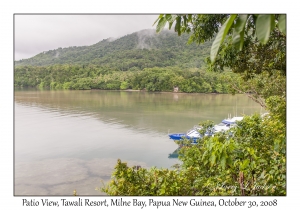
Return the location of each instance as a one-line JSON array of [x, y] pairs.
[[66, 140]]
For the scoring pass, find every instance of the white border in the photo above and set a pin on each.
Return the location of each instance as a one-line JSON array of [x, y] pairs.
[[8, 8]]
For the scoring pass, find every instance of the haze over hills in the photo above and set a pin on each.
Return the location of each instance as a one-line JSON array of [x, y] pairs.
[[136, 51]]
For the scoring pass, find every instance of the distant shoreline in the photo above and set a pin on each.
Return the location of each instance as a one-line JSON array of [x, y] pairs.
[[127, 90]]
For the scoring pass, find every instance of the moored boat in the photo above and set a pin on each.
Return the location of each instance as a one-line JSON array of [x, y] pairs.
[[193, 134], [226, 124]]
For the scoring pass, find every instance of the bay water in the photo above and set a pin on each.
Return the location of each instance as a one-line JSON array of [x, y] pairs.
[[71, 140]]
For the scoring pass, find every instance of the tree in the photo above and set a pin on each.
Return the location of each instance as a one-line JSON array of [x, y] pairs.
[[252, 45], [205, 27], [249, 159], [242, 161]]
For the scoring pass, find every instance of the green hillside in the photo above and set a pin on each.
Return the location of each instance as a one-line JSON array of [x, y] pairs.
[[136, 51], [143, 60]]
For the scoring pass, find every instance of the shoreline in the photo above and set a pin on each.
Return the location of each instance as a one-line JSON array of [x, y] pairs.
[[127, 90]]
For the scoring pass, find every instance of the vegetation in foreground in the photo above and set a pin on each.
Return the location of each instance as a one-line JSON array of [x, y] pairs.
[[252, 159], [252, 162]]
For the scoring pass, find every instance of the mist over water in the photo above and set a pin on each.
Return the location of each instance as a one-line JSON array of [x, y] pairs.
[[66, 140]]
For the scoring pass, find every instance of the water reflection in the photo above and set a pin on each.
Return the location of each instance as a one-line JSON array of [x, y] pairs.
[[175, 153], [66, 140], [156, 111]]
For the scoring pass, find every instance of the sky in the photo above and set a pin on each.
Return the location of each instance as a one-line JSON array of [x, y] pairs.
[[37, 33]]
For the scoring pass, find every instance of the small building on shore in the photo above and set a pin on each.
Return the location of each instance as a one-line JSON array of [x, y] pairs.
[[175, 89]]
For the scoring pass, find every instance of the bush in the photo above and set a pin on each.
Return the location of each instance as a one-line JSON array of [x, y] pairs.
[[247, 160]]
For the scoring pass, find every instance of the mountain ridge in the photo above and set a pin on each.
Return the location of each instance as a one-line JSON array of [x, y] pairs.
[[139, 50]]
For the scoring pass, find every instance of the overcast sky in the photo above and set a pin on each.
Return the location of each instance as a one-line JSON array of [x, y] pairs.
[[38, 33]]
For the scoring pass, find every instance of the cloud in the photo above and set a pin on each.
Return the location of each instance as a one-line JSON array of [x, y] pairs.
[[38, 33], [143, 38]]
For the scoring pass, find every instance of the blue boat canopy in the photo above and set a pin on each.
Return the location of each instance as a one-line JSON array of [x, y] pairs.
[[227, 122]]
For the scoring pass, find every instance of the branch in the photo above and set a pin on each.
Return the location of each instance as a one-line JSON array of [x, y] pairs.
[[259, 101]]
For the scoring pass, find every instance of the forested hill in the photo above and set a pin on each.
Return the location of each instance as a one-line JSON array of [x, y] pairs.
[[136, 51]]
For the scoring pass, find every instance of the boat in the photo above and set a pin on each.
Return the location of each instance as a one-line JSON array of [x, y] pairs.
[[192, 134], [226, 124]]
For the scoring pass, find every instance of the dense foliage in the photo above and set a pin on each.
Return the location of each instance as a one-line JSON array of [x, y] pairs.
[[150, 79], [249, 159], [256, 28], [255, 48], [250, 162]]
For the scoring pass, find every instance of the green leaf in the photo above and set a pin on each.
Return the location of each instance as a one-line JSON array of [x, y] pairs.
[[264, 26], [262, 175], [168, 16], [159, 17], [178, 25], [161, 24], [282, 23], [191, 39], [272, 22], [223, 161], [162, 191], [238, 40], [240, 23], [220, 37], [239, 30], [245, 164], [171, 20], [212, 159]]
